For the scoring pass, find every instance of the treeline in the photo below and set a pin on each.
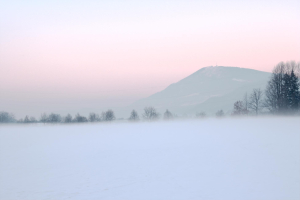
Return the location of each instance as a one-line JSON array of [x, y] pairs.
[[109, 115], [281, 96], [149, 114]]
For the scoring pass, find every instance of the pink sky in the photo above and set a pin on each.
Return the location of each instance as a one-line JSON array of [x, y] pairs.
[[116, 52]]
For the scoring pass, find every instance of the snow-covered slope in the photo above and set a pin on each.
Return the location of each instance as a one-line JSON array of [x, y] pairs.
[[209, 89], [206, 159]]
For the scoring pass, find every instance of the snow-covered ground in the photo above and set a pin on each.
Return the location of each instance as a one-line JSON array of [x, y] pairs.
[[201, 159]]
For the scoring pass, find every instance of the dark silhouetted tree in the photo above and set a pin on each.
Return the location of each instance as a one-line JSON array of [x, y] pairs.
[[80, 119], [109, 115], [246, 104], [279, 92], [6, 117], [220, 113], [285, 93], [93, 117], [239, 109], [256, 100], [168, 115], [26, 119], [294, 92], [150, 113], [44, 118], [274, 91], [134, 116], [54, 118], [68, 119]]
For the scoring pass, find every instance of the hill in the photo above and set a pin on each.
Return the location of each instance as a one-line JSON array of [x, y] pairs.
[[208, 89]]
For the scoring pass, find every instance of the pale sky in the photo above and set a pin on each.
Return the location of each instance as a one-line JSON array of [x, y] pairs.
[[76, 54]]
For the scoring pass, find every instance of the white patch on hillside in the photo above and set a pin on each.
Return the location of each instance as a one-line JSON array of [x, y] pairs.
[[239, 80]]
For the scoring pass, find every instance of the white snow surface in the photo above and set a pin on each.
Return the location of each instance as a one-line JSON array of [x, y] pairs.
[[210, 159]]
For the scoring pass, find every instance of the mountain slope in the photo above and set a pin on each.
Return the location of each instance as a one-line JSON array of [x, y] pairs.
[[208, 89]]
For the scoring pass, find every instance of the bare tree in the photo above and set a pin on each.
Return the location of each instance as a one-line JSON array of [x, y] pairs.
[[274, 90], [108, 115], [54, 118], [28, 119], [44, 118], [93, 117], [238, 108], [246, 104], [6, 117], [103, 116], [134, 116], [256, 102], [220, 113], [168, 115], [68, 119], [150, 113], [78, 118], [293, 66], [293, 94]]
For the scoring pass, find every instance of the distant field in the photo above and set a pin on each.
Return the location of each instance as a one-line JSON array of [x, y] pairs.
[[234, 159]]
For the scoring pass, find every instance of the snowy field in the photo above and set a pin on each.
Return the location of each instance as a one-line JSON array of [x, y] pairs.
[[234, 159]]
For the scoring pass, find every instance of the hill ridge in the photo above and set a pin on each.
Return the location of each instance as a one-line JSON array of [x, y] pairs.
[[212, 83]]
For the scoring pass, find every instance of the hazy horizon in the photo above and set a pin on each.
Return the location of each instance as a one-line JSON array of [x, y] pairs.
[[47, 102], [61, 55]]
